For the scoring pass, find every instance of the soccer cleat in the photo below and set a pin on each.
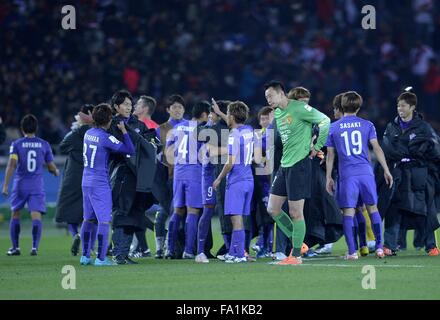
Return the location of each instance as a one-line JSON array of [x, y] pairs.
[[433, 252], [325, 249], [353, 256], [202, 258], [120, 260], [278, 256], [380, 254], [129, 261], [84, 261], [225, 257], [75, 245], [371, 245], [13, 252], [140, 254], [249, 258], [256, 248], [237, 260], [169, 255], [310, 254], [389, 252], [365, 251], [262, 254], [290, 260], [186, 255], [159, 254], [33, 252], [105, 262]]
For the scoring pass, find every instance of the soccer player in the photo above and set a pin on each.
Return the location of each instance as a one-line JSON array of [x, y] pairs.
[[97, 194], [163, 180], [182, 150], [211, 151], [239, 178], [144, 109], [349, 137], [294, 121], [28, 155]]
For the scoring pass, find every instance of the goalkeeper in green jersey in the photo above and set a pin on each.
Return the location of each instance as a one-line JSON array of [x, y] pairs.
[[294, 121]]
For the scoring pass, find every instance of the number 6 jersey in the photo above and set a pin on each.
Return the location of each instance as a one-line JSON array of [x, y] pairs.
[[31, 154], [350, 136]]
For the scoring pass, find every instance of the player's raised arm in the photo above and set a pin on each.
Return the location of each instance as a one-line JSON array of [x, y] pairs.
[[381, 158], [217, 110]]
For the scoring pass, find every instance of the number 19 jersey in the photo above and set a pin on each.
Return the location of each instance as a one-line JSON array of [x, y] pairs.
[[350, 136]]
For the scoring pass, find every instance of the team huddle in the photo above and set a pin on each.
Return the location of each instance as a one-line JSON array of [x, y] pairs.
[[188, 168]]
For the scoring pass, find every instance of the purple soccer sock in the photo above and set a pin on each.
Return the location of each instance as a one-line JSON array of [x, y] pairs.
[[203, 228], [227, 240], [173, 229], [362, 228], [191, 232], [73, 229], [355, 232], [260, 240], [348, 232], [102, 237], [237, 243], [86, 234], [37, 227], [376, 224], [14, 231], [94, 230]]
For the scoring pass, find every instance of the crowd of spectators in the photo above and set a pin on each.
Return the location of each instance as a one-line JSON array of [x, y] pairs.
[[226, 49]]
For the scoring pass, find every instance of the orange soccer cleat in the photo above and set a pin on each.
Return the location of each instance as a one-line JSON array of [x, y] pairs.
[[433, 252], [290, 260]]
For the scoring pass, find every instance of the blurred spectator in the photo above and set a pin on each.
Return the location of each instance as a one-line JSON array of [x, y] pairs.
[[226, 49]]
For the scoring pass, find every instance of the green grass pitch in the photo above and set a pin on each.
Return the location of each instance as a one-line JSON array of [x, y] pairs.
[[411, 275]]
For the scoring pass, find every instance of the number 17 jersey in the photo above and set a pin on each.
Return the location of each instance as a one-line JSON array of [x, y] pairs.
[[350, 136]]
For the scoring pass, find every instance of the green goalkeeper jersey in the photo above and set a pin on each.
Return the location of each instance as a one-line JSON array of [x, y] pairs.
[[295, 127]]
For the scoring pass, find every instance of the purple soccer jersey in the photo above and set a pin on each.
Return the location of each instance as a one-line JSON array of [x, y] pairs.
[[98, 144], [240, 181], [350, 136], [187, 184], [31, 154]]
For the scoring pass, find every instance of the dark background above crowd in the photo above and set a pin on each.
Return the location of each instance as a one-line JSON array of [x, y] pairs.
[[226, 48]]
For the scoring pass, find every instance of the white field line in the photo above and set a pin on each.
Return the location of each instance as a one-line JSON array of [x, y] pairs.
[[305, 264]]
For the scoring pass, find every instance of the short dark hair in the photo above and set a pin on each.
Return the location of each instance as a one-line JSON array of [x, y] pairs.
[[265, 111], [29, 124], [239, 110], [222, 105], [150, 102], [409, 98], [119, 97], [299, 93], [102, 114], [86, 108], [199, 108], [173, 99], [337, 102], [276, 85], [351, 102]]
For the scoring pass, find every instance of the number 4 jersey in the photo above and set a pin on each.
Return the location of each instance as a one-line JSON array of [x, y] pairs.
[[350, 136], [31, 154]]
